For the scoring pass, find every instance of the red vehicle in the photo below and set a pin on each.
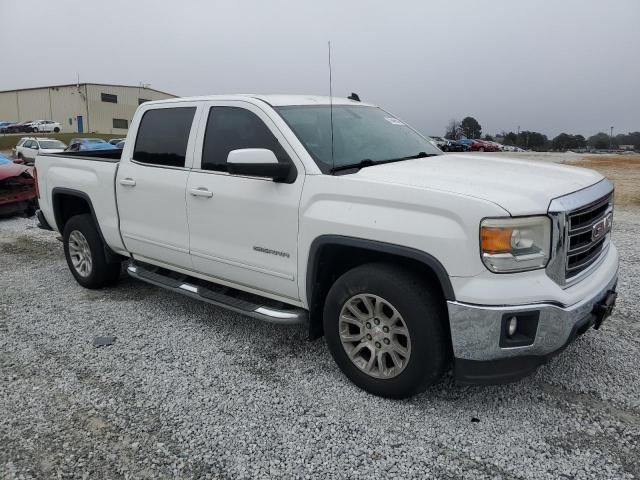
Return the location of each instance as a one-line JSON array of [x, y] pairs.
[[485, 146], [17, 188], [474, 145]]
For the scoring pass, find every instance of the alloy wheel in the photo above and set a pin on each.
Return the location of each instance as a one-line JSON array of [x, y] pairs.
[[375, 336], [80, 253]]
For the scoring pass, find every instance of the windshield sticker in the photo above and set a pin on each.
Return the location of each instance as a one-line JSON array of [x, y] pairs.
[[393, 121]]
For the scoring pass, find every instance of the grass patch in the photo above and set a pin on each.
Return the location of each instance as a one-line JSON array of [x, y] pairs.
[[622, 170], [7, 142]]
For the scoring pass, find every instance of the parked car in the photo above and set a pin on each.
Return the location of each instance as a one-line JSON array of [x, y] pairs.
[[17, 188], [4, 125], [455, 146], [85, 144], [473, 145], [486, 146], [116, 141], [407, 260], [87, 139], [27, 150], [44, 126], [19, 127], [439, 141]]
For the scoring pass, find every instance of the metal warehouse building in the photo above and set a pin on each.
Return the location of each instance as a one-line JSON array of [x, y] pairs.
[[83, 107]]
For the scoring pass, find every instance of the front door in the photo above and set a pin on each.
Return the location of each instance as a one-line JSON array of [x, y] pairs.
[[243, 230], [80, 124], [150, 187]]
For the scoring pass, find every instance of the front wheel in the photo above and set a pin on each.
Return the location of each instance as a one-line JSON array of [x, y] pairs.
[[385, 329], [56, 130], [85, 254], [34, 130]]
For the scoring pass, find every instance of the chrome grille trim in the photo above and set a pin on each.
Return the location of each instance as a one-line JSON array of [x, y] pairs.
[[564, 212]]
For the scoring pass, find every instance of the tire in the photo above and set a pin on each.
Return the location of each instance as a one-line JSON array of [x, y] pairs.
[[422, 313], [34, 130], [20, 157], [84, 251], [56, 130]]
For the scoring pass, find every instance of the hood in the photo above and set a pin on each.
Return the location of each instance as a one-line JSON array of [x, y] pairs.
[[521, 187], [13, 170]]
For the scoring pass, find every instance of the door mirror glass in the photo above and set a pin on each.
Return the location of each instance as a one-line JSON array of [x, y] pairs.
[[257, 162]]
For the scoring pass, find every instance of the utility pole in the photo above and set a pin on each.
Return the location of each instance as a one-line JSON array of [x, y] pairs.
[[611, 140]]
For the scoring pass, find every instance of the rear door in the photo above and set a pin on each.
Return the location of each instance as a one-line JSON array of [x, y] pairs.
[[244, 230], [151, 183]]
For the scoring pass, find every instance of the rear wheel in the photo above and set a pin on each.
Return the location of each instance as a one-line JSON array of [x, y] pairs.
[[85, 254], [56, 130], [385, 330]]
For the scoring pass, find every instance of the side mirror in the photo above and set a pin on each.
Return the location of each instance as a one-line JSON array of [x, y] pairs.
[[257, 162]]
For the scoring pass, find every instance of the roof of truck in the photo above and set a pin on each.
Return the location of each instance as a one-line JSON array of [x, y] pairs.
[[277, 100]]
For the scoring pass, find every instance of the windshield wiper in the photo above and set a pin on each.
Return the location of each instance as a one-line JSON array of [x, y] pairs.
[[367, 162]]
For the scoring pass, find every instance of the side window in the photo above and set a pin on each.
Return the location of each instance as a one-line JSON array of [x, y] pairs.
[[163, 135], [29, 144], [232, 128]]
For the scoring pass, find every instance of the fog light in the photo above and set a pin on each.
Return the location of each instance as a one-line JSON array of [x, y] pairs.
[[512, 326]]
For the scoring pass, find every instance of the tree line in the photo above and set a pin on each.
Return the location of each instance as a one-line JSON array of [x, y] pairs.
[[469, 127]]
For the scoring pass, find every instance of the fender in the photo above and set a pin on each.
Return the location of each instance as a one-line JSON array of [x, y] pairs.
[[57, 191], [376, 246]]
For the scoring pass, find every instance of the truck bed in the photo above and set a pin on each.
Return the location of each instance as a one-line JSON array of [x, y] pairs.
[[90, 174]]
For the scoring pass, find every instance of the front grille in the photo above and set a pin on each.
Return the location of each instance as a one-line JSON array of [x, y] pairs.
[[583, 246]]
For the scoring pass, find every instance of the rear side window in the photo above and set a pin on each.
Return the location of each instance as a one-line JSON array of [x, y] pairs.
[[163, 135], [233, 128]]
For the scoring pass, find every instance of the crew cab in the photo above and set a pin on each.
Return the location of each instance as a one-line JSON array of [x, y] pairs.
[[336, 213]]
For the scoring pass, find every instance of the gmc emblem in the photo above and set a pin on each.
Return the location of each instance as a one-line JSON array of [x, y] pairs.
[[602, 227]]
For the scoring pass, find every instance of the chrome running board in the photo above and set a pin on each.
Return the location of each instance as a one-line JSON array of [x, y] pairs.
[[257, 307]]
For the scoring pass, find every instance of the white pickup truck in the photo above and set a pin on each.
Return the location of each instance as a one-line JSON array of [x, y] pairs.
[[336, 213]]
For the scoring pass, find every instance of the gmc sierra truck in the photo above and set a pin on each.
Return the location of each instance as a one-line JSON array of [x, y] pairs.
[[336, 213]]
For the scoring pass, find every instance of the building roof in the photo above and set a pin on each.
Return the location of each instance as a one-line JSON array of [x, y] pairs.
[[273, 100], [85, 83]]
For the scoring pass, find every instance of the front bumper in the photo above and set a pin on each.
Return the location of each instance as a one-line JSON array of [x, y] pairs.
[[478, 335]]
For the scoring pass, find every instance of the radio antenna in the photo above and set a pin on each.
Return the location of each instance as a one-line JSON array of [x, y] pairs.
[[333, 162]]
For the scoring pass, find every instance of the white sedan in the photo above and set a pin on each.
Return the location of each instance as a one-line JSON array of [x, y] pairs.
[[44, 126]]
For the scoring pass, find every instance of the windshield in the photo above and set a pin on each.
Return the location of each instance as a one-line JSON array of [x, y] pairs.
[[51, 144], [359, 133]]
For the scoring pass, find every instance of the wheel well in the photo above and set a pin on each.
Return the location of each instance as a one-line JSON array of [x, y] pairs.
[[66, 206], [330, 260]]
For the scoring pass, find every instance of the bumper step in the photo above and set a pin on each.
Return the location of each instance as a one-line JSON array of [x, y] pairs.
[[252, 305]]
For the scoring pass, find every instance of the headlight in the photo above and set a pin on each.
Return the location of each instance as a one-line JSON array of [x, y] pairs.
[[515, 244]]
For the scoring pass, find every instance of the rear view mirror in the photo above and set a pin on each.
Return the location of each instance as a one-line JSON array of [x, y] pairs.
[[257, 162]]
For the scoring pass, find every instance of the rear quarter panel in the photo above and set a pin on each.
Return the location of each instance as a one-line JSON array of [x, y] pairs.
[[94, 178]]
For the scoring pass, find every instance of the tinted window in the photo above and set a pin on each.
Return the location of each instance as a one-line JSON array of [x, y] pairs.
[[108, 97], [232, 128], [120, 123], [163, 136]]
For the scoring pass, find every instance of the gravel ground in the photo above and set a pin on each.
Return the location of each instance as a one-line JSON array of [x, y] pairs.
[[189, 390]]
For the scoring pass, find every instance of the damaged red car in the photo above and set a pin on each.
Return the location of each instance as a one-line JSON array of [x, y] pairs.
[[17, 188]]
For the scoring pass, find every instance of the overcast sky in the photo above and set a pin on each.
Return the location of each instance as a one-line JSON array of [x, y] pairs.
[[548, 66]]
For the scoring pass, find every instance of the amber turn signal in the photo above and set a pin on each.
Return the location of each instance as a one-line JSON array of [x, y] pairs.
[[495, 240]]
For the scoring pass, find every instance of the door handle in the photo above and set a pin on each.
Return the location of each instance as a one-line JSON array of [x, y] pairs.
[[128, 182], [200, 192]]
